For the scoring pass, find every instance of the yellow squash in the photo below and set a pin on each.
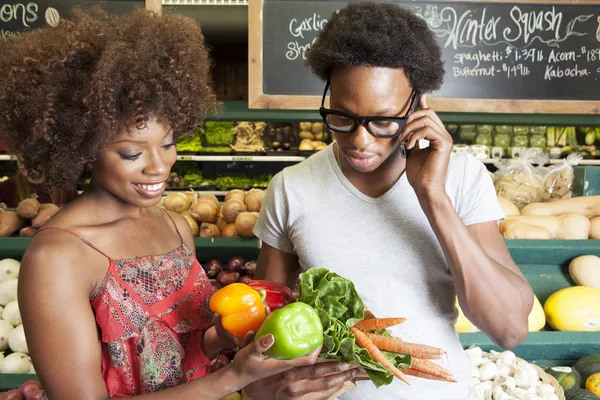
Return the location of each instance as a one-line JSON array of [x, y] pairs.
[[575, 308], [536, 321]]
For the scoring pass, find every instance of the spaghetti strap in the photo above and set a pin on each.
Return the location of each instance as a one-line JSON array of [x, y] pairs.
[[175, 225], [84, 240]]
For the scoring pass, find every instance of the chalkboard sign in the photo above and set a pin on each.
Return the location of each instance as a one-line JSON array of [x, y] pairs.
[[500, 56], [18, 16]]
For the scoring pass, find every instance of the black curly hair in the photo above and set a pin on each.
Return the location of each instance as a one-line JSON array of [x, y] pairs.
[[379, 35], [65, 91]]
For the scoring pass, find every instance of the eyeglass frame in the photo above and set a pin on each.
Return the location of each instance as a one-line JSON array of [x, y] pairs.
[[364, 121]]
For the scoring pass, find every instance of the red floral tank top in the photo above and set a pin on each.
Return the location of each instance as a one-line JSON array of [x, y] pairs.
[[152, 312]]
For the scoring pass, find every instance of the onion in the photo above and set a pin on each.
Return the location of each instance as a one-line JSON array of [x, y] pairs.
[[229, 231], [17, 342], [205, 211], [250, 268], [177, 202], [5, 329], [221, 222], [212, 268], [245, 279], [30, 387], [9, 269], [210, 197], [191, 222], [8, 291], [236, 264], [225, 278], [254, 201], [245, 224], [236, 194], [209, 230], [15, 363], [231, 210], [11, 313], [14, 394]]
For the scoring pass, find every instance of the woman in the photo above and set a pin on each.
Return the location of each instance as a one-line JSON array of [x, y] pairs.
[[113, 300]]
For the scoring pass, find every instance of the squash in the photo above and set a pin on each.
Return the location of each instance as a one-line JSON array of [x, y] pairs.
[[593, 384], [585, 205], [509, 208], [575, 308], [588, 366], [567, 226], [585, 271], [537, 317], [580, 394], [595, 228], [566, 377], [536, 320], [512, 229]]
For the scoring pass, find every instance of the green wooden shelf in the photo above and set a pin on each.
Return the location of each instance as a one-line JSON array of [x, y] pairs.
[[239, 111]]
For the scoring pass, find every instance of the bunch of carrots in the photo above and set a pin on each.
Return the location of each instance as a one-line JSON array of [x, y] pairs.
[[421, 366]]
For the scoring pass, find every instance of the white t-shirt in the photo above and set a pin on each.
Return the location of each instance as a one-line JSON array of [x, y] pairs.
[[387, 248]]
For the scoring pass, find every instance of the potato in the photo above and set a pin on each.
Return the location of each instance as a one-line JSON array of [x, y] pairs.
[[306, 126], [204, 211], [306, 135], [46, 212], [254, 201], [28, 208], [208, 230], [306, 147], [317, 127], [10, 223], [244, 224], [229, 231], [236, 194], [231, 210]]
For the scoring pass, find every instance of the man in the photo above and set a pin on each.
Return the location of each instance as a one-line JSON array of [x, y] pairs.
[[411, 232]]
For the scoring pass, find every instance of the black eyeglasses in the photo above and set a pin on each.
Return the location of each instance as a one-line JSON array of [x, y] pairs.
[[380, 127]]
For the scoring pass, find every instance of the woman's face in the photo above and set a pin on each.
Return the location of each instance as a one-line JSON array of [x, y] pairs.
[[369, 91], [135, 166]]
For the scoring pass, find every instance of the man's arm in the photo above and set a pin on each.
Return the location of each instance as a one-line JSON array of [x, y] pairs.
[[276, 265], [491, 290]]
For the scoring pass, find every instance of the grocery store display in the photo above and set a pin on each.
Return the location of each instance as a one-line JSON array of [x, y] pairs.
[[585, 271], [207, 218], [576, 308], [504, 376]]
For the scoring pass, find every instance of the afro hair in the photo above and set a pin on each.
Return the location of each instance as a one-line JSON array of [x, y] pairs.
[[65, 91], [379, 35]]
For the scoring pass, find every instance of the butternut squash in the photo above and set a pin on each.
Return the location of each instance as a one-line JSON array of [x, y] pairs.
[[585, 205], [10, 223], [585, 271], [509, 208], [565, 227], [512, 229], [595, 228]]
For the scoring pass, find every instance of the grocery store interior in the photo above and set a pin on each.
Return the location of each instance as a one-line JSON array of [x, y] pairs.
[[545, 167]]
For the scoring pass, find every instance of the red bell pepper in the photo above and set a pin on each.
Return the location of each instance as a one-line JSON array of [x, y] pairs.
[[277, 295]]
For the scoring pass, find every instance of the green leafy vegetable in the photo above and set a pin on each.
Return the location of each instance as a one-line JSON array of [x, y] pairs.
[[219, 133], [339, 306]]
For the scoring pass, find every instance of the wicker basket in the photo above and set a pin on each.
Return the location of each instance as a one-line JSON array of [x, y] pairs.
[[550, 380]]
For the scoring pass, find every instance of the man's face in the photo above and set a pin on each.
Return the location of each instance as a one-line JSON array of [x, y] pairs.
[[369, 91]]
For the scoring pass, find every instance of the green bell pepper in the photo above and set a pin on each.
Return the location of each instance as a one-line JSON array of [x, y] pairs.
[[297, 330]]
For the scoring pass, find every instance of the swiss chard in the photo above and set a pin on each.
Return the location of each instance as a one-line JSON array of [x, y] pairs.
[[339, 306]]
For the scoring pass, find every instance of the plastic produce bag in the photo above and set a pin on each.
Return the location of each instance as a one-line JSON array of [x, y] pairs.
[[519, 181], [558, 180]]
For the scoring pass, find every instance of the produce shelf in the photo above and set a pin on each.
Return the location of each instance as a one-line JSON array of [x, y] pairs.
[[242, 158], [490, 161], [544, 348], [13, 381], [239, 111]]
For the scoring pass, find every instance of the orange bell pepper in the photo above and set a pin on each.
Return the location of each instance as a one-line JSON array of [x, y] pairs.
[[240, 307]]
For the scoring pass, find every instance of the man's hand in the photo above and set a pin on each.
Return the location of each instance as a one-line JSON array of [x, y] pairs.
[[313, 382], [426, 168]]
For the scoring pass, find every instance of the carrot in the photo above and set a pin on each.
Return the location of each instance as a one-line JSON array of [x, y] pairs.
[[373, 324], [363, 341], [424, 375], [396, 345], [430, 368], [368, 314]]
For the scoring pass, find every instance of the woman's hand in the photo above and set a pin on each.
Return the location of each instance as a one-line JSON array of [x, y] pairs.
[[252, 365], [426, 168]]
